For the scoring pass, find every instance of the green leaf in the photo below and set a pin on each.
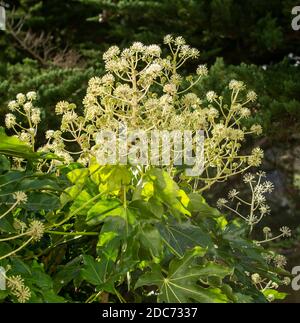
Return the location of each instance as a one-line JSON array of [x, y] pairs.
[[6, 224], [103, 208], [148, 210], [3, 294], [41, 189], [81, 199], [106, 237], [167, 191], [78, 176], [181, 284], [42, 201], [273, 294], [183, 236], [13, 146], [93, 271], [67, 273], [198, 204], [112, 233], [4, 164], [110, 178], [150, 239]]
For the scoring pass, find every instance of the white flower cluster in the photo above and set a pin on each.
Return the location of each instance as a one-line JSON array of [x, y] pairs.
[[256, 206], [23, 106], [18, 288], [145, 90]]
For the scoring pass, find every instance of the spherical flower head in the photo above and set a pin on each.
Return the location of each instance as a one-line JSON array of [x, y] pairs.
[[111, 53], [268, 187], [259, 197], [286, 232], [94, 83], [221, 202], [212, 113], [168, 39], [23, 295], [20, 197], [245, 113], [25, 137], [251, 96], [191, 100], [108, 79], [256, 129], [233, 193], [153, 70], [236, 85], [211, 96], [137, 47], [31, 131], [15, 282], [36, 230], [261, 173], [153, 50], [248, 178], [36, 116], [67, 119], [18, 289], [236, 134], [286, 281], [202, 70], [49, 134], [31, 96], [67, 157], [10, 120], [28, 106], [188, 52], [176, 79], [123, 91], [280, 261], [194, 53], [266, 230], [179, 41], [13, 105], [61, 107], [256, 157], [170, 88], [264, 209], [256, 278], [21, 98]]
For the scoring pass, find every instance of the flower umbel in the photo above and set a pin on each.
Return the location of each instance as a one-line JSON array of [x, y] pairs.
[[18, 289], [36, 230], [20, 197]]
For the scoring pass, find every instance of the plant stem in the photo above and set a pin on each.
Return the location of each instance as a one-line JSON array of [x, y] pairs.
[[17, 250], [83, 233]]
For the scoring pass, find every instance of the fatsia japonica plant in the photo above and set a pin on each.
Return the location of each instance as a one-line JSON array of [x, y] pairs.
[[75, 230]]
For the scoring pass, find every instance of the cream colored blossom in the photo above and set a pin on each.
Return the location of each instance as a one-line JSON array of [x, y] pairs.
[[31, 96], [251, 96], [36, 230], [61, 107], [202, 70], [18, 289], [20, 197], [211, 96], [10, 120], [21, 98], [13, 105]]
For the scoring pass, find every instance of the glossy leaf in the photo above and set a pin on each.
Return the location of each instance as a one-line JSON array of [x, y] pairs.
[[181, 285]]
